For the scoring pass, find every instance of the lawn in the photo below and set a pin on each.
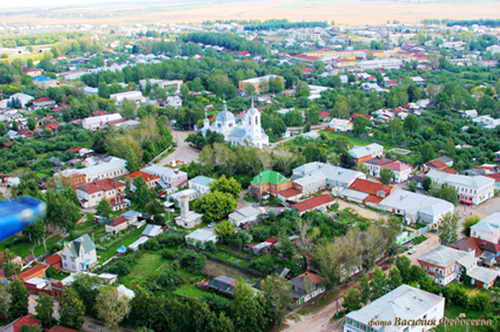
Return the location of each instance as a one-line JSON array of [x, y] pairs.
[[23, 248], [123, 239], [147, 265], [418, 240], [452, 311]]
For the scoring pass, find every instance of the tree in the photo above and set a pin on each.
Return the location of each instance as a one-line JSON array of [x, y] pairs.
[[378, 284], [62, 212], [191, 260], [447, 193], [226, 185], [364, 287], [215, 206], [111, 307], [411, 124], [248, 314], [71, 309], [104, 209], [448, 228], [395, 279], [359, 125], [87, 288], [224, 230], [277, 293], [386, 175], [352, 301], [427, 183], [19, 299], [5, 302], [469, 222], [44, 310], [346, 160], [302, 90]]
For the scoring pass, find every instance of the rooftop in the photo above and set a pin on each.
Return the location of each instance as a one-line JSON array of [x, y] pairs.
[[145, 176], [404, 302], [313, 202], [269, 176], [444, 256], [100, 185]]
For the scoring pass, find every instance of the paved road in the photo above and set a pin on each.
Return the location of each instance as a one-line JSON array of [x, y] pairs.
[[183, 150]]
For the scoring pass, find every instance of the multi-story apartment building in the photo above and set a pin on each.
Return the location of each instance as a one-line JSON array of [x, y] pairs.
[[470, 189]]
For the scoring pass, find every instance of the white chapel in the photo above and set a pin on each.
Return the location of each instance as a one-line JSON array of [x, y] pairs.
[[248, 132]]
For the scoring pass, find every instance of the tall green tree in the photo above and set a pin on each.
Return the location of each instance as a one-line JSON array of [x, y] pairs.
[[111, 307], [277, 294], [378, 284], [45, 310], [448, 228], [71, 309], [19, 299], [215, 206], [226, 185], [364, 288], [386, 175], [5, 302], [352, 300], [248, 313], [104, 209]]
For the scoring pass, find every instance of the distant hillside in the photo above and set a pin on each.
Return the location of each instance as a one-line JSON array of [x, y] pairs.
[[348, 12]]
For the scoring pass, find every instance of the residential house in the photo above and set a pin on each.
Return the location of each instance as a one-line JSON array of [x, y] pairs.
[[16, 325], [487, 122], [117, 225], [100, 121], [79, 255], [169, 178], [366, 192], [487, 234], [401, 170], [340, 125], [470, 189], [33, 72], [404, 303], [415, 207], [269, 182], [306, 286], [135, 96], [43, 102], [201, 184], [245, 216], [314, 203], [151, 180], [191, 194], [445, 264], [201, 236], [310, 184], [152, 230], [54, 261], [92, 193], [222, 284], [336, 178], [367, 152], [259, 84], [23, 99]]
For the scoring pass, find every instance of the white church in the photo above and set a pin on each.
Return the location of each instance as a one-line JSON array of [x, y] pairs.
[[248, 132]]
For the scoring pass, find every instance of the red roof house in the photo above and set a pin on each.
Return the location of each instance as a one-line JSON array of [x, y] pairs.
[[58, 328], [316, 202], [376, 191], [36, 271], [16, 325], [54, 260]]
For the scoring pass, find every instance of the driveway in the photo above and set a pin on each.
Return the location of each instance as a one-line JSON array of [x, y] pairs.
[[183, 151], [424, 247], [362, 211]]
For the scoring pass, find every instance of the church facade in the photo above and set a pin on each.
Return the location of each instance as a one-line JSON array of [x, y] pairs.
[[248, 132]]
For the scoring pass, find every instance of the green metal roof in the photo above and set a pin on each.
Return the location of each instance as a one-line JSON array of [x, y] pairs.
[[269, 176]]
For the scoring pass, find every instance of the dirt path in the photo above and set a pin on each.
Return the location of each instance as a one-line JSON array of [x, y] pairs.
[[363, 212]]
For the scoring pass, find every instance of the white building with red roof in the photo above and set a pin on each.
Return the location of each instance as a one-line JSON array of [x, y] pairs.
[[401, 170], [314, 203], [92, 193]]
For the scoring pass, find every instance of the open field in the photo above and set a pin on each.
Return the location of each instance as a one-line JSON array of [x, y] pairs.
[[344, 12]]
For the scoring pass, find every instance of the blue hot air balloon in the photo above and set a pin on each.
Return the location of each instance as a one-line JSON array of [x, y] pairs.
[[15, 215]]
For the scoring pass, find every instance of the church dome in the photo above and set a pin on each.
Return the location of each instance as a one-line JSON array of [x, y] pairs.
[[224, 117]]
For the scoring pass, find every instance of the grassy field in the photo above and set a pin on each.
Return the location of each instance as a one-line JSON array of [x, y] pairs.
[[24, 249], [452, 311], [418, 240], [125, 239]]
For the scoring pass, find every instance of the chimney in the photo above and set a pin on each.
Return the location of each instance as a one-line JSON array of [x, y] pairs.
[[184, 206]]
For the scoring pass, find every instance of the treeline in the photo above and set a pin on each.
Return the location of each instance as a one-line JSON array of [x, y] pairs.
[[489, 23], [37, 39], [226, 40], [166, 47], [284, 24]]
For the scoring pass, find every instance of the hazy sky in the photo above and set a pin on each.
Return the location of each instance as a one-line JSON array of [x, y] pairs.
[[51, 3]]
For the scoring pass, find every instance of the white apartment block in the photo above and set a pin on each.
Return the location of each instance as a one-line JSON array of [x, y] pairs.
[[110, 168], [97, 122], [135, 96], [470, 189]]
